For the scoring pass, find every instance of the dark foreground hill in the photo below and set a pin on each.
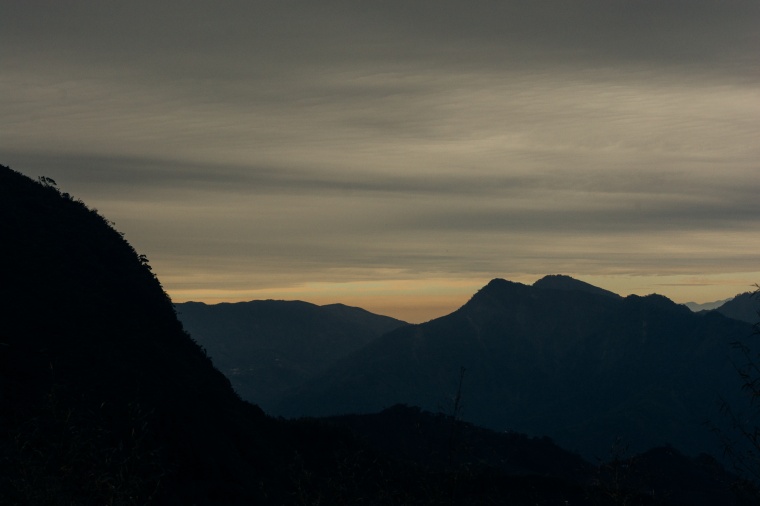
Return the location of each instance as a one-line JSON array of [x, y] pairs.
[[658, 476], [559, 358], [266, 347], [106, 400]]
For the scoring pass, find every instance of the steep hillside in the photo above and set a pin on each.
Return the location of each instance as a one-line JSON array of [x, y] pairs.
[[101, 387], [583, 368], [744, 307], [266, 347], [106, 400]]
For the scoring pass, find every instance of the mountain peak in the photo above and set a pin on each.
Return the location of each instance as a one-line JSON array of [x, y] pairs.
[[567, 283], [744, 307], [499, 289]]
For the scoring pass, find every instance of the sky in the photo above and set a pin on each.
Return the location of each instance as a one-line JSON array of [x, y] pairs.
[[397, 155]]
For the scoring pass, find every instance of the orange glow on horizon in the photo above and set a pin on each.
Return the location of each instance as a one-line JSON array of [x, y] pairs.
[[421, 300]]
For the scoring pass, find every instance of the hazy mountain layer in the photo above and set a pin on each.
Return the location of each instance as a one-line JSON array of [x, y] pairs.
[[266, 347], [705, 306]]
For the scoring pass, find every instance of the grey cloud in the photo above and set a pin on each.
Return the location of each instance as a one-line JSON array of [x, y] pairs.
[[685, 197], [233, 40], [598, 31], [297, 140], [626, 218]]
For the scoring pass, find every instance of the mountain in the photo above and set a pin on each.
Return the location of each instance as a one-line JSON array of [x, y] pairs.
[[442, 441], [582, 367], [705, 306], [107, 400], [744, 307], [568, 284], [101, 388], [660, 475], [266, 347]]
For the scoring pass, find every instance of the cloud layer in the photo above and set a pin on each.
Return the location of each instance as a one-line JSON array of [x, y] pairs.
[[259, 148]]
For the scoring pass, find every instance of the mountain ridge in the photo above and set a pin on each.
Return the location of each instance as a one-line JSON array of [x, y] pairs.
[[268, 346], [536, 356], [744, 306]]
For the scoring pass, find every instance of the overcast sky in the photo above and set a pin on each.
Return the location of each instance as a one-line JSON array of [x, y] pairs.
[[397, 155]]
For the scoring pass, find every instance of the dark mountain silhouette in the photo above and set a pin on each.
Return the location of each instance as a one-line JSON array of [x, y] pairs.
[[660, 475], [566, 283], [443, 442], [106, 399], [744, 307], [673, 478], [266, 347], [102, 391], [584, 368]]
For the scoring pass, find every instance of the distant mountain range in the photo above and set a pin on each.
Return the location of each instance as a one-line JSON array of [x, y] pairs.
[[267, 347], [744, 306], [560, 358], [706, 306]]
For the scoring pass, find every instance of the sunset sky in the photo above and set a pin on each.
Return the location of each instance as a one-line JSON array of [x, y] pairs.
[[397, 155]]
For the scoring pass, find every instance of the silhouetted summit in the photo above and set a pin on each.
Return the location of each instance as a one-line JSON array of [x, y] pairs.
[[562, 282]]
